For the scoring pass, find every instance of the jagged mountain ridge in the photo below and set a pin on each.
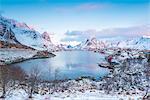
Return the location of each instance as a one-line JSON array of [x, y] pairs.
[[142, 43], [19, 33]]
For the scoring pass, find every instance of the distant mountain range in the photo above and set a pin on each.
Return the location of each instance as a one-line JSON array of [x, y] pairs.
[[142, 43]]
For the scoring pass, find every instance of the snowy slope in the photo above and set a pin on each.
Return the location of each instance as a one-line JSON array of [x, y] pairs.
[[142, 43], [24, 34]]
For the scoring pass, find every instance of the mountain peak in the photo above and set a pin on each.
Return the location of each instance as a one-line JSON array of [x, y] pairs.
[[46, 36]]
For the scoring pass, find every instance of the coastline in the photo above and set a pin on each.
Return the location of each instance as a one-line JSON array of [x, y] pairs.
[[101, 89], [11, 56]]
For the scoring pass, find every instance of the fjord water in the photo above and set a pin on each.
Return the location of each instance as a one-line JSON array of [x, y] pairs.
[[67, 65]]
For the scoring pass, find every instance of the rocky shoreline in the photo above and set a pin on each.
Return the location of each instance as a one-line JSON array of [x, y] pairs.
[[12, 56]]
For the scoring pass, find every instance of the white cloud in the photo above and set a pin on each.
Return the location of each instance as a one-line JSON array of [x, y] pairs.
[[135, 31]]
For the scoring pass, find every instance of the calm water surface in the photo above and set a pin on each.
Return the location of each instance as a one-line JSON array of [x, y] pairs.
[[67, 65]]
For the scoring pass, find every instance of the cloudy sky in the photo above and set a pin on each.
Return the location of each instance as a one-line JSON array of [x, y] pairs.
[[60, 16]]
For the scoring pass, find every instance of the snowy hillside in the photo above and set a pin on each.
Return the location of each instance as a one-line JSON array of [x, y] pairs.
[[15, 32], [142, 43]]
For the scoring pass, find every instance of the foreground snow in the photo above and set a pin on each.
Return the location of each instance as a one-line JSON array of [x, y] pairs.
[[88, 95]]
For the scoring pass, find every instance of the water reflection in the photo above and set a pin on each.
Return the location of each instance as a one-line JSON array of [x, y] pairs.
[[68, 64]]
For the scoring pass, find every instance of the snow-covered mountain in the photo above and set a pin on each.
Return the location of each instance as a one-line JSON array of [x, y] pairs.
[[92, 43], [19, 33], [142, 43], [14, 32]]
